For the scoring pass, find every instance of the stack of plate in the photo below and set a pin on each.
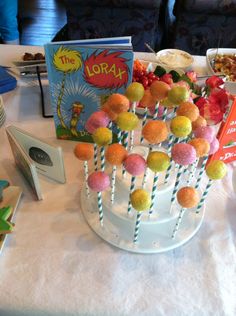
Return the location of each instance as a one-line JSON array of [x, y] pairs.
[[2, 113]]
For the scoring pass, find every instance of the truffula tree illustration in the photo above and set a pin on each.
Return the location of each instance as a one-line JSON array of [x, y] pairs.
[[66, 61]]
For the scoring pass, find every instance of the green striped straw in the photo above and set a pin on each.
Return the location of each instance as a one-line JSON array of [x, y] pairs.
[[144, 121], [204, 195], [126, 143], [154, 191], [133, 107], [86, 178], [164, 116], [171, 142], [119, 138], [179, 220], [156, 110], [102, 151], [131, 140], [179, 173], [113, 182], [100, 208], [201, 172], [95, 157], [192, 170], [137, 225], [146, 170], [132, 185]]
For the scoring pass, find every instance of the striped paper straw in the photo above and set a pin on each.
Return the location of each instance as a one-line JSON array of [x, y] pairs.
[[132, 185], [146, 170], [201, 172], [137, 225], [204, 195], [144, 121], [119, 138], [100, 208], [102, 151], [156, 111], [179, 173], [126, 140], [131, 140], [95, 157], [86, 177], [179, 220], [113, 182], [164, 116], [192, 170], [171, 142], [110, 125], [133, 107], [154, 191]]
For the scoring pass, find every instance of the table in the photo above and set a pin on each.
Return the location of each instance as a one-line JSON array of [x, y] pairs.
[[53, 264]]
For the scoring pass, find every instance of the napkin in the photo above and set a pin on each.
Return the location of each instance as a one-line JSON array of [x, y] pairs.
[[7, 81]]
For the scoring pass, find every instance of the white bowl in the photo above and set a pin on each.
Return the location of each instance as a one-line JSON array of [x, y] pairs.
[[174, 59], [210, 55]]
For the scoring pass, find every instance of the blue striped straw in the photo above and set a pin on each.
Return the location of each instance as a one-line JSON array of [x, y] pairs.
[[154, 191], [144, 121], [132, 185], [133, 106], [95, 157], [156, 111], [204, 195], [164, 116], [113, 182], [126, 140], [102, 151], [131, 140], [192, 170], [201, 172], [146, 170], [137, 225], [179, 220], [110, 125], [86, 178], [179, 173], [100, 208], [119, 136], [171, 143]]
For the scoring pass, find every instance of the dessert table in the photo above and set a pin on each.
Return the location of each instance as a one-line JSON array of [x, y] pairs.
[[54, 264]]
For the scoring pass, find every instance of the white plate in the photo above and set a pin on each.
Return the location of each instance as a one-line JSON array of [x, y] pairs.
[[174, 58], [210, 54]]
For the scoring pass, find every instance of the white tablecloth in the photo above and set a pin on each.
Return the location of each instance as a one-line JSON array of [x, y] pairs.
[[54, 264]]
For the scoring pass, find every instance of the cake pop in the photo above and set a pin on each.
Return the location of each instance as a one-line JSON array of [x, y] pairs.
[[102, 137], [181, 126], [118, 103], [134, 92], [99, 181], [141, 201], [112, 115], [127, 121], [159, 90], [155, 132], [183, 154], [206, 132], [188, 109], [96, 120], [178, 94], [201, 146], [200, 121], [214, 146]]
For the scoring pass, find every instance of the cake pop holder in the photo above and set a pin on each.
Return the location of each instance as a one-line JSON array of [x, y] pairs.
[[155, 230]]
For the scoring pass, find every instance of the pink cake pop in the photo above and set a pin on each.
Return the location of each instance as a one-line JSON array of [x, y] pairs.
[[214, 146], [98, 181], [96, 120], [135, 164], [206, 132], [183, 154]]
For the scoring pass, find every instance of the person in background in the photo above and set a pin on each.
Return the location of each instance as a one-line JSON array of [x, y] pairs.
[[8, 22]]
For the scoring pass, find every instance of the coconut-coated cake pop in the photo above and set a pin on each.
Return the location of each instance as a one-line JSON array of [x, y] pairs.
[[155, 131], [118, 103], [178, 94], [84, 151], [188, 197], [159, 90], [116, 154], [98, 181], [158, 161], [135, 164], [140, 200], [96, 120], [188, 109], [200, 121], [201, 146], [216, 170], [183, 154], [206, 132], [181, 126], [134, 92], [102, 136], [127, 121], [214, 146]]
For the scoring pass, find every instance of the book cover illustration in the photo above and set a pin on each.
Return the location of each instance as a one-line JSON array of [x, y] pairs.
[[81, 78]]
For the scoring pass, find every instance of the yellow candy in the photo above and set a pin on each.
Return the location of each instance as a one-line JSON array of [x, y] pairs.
[[135, 91], [216, 170], [181, 126], [140, 200], [127, 121], [102, 136], [158, 161]]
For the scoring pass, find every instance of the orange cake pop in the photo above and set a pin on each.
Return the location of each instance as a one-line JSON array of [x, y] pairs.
[[159, 90], [112, 115], [116, 154], [84, 151], [118, 103], [201, 146], [188, 197], [155, 131], [147, 100], [199, 122], [189, 110]]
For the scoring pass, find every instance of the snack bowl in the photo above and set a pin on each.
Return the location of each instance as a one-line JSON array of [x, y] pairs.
[[174, 59]]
